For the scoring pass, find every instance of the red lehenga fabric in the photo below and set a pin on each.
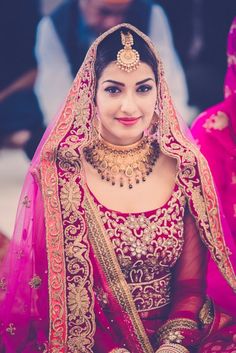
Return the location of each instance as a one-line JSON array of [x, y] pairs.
[[148, 246], [62, 289]]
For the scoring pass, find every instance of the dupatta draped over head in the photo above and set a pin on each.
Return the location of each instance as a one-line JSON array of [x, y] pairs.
[[230, 78], [215, 133], [47, 282]]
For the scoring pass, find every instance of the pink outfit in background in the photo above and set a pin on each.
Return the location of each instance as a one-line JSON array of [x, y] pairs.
[[215, 133]]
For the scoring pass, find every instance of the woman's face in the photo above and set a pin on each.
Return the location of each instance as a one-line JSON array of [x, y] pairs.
[[125, 103]]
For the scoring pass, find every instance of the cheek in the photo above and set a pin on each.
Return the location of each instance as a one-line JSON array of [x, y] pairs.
[[106, 106], [105, 115], [103, 110], [149, 105]]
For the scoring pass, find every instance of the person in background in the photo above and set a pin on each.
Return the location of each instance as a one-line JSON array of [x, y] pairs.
[[200, 31], [21, 120], [215, 133], [64, 38]]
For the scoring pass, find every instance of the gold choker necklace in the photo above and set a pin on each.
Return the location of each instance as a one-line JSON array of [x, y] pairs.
[[126, 164]]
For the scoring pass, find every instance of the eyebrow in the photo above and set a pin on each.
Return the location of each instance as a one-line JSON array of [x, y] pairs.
[[122, 84]]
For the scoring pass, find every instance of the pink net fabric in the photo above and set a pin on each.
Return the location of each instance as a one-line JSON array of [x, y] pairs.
[[23, 277]]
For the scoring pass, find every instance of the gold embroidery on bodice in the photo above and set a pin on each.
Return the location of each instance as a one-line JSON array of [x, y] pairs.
[[147, 246]]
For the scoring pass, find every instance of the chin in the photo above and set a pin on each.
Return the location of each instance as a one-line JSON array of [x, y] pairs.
[[128, 139], [122, 135]]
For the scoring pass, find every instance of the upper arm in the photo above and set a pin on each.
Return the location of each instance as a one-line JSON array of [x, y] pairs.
[[54, 77], [161, 35]]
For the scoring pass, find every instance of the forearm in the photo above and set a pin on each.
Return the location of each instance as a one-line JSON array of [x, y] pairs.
[[182, 333], [183, 325], [25, 81]]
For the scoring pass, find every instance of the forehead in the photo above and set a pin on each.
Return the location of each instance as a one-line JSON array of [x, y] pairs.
[[112, 72]]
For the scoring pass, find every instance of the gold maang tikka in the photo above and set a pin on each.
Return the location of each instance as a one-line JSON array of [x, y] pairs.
[[127, 58], [123, 165]]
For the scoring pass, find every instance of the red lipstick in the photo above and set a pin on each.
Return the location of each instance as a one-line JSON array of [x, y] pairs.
[[125, 120]]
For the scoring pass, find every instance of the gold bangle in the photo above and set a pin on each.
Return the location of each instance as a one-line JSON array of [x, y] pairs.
[[119, 350], [172, 348], [172, 331]]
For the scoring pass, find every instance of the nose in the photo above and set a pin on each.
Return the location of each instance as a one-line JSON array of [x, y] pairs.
[[129, 105]]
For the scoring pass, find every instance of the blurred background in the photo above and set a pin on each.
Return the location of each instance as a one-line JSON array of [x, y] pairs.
[[44, 42]]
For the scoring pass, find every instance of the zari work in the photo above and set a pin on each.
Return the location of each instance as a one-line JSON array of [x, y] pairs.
[[146, 248]]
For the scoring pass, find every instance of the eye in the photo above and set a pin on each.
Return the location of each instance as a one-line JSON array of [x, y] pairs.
[[112, 89], [144, 88]]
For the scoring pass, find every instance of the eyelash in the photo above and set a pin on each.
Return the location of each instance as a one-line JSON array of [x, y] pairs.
[[144, 88], [112, 89], [115, 90]]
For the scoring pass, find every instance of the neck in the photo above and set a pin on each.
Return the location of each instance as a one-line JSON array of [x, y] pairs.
[[116, 141], [120, 146]]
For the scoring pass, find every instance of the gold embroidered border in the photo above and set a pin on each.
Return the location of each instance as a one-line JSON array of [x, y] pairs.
[[107, 259], [215, 237], [55, 254], [68, 135], [79, 280], [58, 316]]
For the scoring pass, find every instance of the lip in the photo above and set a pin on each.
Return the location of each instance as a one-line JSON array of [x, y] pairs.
[[128, 120]]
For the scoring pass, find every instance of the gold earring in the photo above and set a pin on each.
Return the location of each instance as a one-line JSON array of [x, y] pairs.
[[154, 126]]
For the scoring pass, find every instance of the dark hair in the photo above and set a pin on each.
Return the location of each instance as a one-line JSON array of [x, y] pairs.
[[107, 51]]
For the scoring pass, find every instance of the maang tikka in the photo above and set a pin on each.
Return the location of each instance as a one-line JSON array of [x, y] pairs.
[[128, 58]]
